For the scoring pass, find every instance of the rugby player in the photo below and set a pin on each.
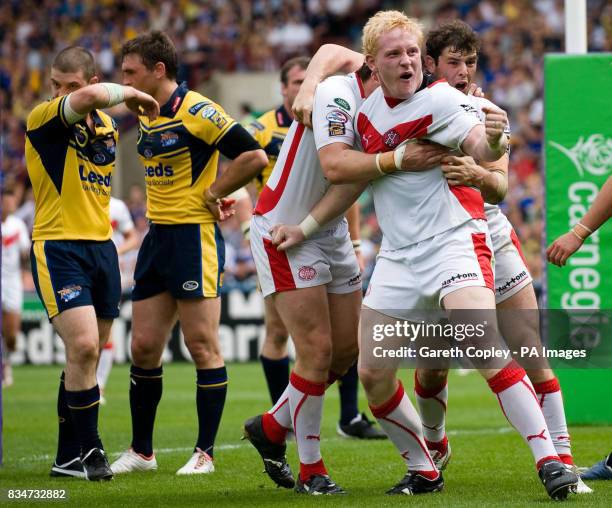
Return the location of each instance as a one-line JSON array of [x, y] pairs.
[[447, 235], [15, 246], [180, 263], [70, 158], [270, 130], [452, 54]]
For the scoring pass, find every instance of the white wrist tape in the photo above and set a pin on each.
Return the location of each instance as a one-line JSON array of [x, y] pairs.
[[70, 114], [309, 226], [378, 164], [398, 155], [116, 93]]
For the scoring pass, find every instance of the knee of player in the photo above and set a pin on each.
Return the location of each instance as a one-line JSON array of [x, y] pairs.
[[142, 349], [82, 350], [371, 377], [432, 378], [276, 336], [204, 351], [343, 360]]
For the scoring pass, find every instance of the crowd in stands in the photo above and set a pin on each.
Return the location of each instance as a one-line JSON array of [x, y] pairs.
[[252, 35]]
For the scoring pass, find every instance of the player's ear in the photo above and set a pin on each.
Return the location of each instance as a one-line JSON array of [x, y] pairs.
[[371, 63], [159, 69], [430, 64]]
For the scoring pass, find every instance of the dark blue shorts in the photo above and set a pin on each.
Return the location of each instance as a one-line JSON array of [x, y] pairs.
[[185, 259], [76, 273]]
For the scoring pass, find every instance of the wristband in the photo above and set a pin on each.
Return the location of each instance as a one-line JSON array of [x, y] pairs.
[[357, 245], [398, 155], [116, 93], [309, 226], [577, 235], [385, 163], [589, 230], [209, 196]]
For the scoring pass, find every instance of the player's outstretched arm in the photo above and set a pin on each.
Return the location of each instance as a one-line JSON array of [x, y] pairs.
[[105, 95], [329, 59], [336, 201], [599, 212], [488, 142], [491, 178]]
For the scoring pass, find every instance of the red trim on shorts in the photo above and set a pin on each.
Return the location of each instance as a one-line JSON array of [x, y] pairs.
[[517, 243], [373, 141], [427, 393], [470, 199], [305, 386], [484, 256], [551, 386], [510, 375], [273, 430], [279, 267], [442, 80], [566, 459], [546, 459], [269, 198], [308, 470], [386, 408]]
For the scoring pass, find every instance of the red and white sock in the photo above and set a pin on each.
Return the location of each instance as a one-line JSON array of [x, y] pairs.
[[401, 422], [521, 407], [432, 408], [277, 421], [306, 405], [551, 402]]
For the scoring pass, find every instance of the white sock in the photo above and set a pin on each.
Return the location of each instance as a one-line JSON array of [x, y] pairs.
[[551, 402], [306, 404], [521, 407], [402, 424], [432, 408], [104, 366]]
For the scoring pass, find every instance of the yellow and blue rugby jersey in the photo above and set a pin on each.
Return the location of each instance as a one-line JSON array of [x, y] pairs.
[[180, 157], [270, 130], [71, 169]]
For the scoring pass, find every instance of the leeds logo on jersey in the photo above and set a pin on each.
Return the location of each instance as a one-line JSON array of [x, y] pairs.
[[211, 113], [168, 138]]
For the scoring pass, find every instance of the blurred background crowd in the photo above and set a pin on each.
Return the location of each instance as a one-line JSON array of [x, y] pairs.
[[254, 35]]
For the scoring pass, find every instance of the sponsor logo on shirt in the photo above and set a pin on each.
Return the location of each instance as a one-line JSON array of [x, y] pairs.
[[168, 138], [337, 128], [93, 177], [342, 103], [159, 170], [307, 273], [211, 113], [337, 115], [197, 107], [69, 292]]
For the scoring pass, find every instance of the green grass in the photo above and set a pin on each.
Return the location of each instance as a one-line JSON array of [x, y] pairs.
[[491, 466]]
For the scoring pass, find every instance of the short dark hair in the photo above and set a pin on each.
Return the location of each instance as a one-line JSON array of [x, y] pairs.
[[153, 47], [298, 61], [364, 72], [74, 59], [456, 35]]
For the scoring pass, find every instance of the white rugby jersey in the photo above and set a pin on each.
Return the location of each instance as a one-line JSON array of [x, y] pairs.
[[121, 220], [414, 206], [15, 241], [497, 221], [297, 182]]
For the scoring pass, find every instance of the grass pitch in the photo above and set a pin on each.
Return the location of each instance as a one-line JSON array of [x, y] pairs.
[[491, 466]]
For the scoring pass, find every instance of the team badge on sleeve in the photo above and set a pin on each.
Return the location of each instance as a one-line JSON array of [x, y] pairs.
[[211, 113]]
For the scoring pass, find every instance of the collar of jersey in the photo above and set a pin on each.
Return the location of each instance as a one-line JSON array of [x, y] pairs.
[[282, 117], [428, 79], [173, 104]]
